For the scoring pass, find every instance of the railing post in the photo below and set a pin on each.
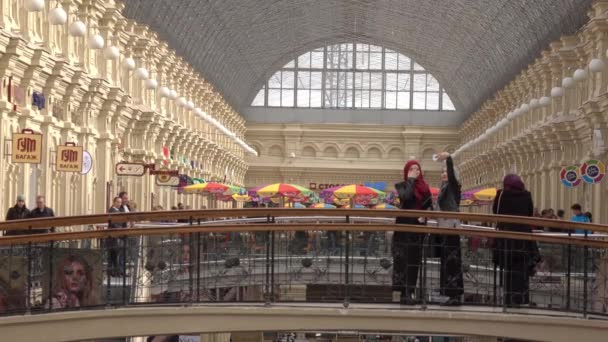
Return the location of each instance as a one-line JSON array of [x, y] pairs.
[[347, 266], [568, 272], [109, 264], [198, 265], [50, 273], [190, 268], [124, 269], [28, 301], [272, 263], [585, 276], [504, 273], [267, 243], [425, 242]]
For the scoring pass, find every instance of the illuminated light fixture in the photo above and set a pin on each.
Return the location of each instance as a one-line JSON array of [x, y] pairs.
[[557, 92], [510, 116], [579, 75], [568, 82], [34, 5], [58, 16], [151, 83], [142, 73], [524, 108], [190, 105], [164, 91], [111, 52], [182, 101], [545, 101], [172, 94], [128, 63], [96, 42], [596, 65], [78, 29]]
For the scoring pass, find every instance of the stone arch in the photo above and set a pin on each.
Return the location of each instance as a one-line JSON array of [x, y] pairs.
[[427, 153], [395, 153], [352, 153], [309, 152], [275, 151], [330, 152], [374, 152]]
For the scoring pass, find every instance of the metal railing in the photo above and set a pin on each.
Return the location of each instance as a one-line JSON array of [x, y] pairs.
[[293, 255]]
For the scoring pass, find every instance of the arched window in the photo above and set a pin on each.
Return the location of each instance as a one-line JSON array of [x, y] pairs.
[[353, 76]]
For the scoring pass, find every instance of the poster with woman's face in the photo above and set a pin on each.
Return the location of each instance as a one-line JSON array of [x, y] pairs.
[[13, 277], [75, 280]]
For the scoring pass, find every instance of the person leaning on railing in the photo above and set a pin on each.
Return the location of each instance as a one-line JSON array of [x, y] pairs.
[[115, 255], [414, 194], [451, 282], [17, 212]]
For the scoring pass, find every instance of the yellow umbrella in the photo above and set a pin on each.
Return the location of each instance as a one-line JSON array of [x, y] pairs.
[[241, 198], [485, 195]]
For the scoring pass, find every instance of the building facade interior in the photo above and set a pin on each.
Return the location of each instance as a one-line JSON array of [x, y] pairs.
[[255, 170]]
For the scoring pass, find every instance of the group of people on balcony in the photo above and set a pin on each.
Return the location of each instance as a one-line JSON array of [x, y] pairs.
[[516, 258]]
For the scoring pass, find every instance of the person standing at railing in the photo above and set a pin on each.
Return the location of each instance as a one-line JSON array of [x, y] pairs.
[[17, 212], [414, 194], [451, 282], [41, 211], [115, 259], [517, 258]]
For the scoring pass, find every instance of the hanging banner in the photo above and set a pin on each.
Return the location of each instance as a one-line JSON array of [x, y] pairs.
[[27, 147], [165, 180], [69, 158], [593, 171], [570, 176]]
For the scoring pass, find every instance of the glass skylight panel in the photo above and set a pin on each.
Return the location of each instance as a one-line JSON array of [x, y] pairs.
[[350, 75]]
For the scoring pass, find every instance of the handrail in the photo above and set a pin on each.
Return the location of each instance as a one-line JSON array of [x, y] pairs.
[[44, 223], [215, 228]]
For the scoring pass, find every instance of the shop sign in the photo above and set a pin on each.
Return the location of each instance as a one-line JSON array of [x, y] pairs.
[[570, 176], [315, 186], [87, 162], [27, 147], [167, 180], [130, 169], [69, 158], [593, 171]]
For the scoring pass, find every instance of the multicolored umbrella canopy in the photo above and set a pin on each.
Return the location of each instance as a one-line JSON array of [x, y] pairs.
[[466, 202], [298, 205], [322, 206], [359, 192], [485, 195], [282, 189], [241, 198], [385, 206], [213, 188]]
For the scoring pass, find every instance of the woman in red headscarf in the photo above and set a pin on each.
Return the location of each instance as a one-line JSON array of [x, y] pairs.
[[414, 194]]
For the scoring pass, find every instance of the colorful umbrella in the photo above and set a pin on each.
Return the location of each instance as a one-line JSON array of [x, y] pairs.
[[241, 198], [385, 206], [322, 206], [485, 195], [466, 202], [298, 205], [357, 206], [213, 188], [360, 192], [281, 189]]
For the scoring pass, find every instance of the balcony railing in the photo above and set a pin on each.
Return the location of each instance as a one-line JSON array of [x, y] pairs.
[[301, 255]]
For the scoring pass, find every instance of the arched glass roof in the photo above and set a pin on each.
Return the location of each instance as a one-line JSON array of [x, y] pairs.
[[353, 75]]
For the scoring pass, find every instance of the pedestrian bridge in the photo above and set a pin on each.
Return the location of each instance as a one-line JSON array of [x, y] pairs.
[[287, 270]]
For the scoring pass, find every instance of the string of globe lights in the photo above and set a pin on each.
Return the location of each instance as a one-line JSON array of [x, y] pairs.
[[596, 65], [58, 16]]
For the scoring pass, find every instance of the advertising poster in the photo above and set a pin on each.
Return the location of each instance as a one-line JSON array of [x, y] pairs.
[[76, 279]]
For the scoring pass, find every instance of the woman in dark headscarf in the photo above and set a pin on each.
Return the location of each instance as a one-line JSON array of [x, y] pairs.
[[517, 258], [450, 276], [414, 194]]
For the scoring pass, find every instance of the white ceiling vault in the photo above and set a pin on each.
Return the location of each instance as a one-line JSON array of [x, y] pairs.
[[473, 47]]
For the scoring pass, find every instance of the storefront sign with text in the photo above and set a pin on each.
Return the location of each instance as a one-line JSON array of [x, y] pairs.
[[69, 158], [27, 147]]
